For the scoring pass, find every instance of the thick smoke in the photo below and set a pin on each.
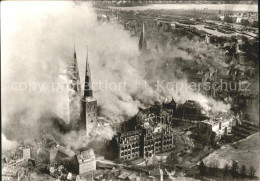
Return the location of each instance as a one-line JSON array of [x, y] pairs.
[[38, 40], [38, 44], [7, 144]]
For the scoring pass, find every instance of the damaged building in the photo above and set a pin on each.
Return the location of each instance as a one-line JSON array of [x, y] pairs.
[[146, 142], [221, 125], [191, 111], [152, 133]]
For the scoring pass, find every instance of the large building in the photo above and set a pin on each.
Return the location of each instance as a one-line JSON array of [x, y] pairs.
[[152, 134], [146, 142], [127, 145], [191, 111]]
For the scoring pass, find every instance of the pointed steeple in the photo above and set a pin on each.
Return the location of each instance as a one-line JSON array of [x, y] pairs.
[[74, 74], [87, 87], [143, 32], [75, 56], [142, 40]]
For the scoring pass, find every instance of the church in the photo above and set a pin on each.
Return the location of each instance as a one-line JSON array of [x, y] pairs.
[[83, 107]]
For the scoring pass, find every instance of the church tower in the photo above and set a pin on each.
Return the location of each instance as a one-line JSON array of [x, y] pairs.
[[142, 40], [74, 93], [88, 104]]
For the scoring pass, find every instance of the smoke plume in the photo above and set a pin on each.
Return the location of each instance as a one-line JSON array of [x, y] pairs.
[[38, 40]]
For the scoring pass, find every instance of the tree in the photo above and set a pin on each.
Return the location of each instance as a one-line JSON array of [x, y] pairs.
[[234, 169], [252, 172], [225, 171], [202, 168], [243, 171]]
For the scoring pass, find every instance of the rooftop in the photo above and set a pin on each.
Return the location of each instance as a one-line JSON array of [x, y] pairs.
[[86, 155]]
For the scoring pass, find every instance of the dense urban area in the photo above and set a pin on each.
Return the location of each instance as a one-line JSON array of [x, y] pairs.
[[217, 51]]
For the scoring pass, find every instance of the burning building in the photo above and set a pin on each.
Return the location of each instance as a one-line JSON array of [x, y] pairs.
[[156, 113], [191, 111], [221, 124], [152, 134]]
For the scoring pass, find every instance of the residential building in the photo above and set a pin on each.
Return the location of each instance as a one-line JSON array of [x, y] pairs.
[[86, 161]]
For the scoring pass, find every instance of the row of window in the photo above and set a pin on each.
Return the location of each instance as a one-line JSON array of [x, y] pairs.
[[127, 157], [89, 115], [158, 140], [130, 146], [149, 137], [167, 147], [159, 144], [147, 154], [135, 150], [148, 148]]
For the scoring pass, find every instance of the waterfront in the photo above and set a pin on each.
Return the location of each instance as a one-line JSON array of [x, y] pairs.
[[221, 7]]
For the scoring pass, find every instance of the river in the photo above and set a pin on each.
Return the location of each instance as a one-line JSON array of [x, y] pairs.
[[222, 7]]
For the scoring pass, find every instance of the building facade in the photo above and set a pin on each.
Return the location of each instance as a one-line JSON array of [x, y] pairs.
[[157, 140], [86, 161], [152, 135], [127, 145], [143, 143]]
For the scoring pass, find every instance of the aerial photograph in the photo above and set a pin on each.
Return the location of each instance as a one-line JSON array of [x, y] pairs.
[[134, 90]]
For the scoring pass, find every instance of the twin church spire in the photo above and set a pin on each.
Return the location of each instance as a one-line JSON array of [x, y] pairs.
[[76, 78], [85, 105]]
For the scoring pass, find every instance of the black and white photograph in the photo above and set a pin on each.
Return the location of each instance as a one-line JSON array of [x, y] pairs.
[[130, 90]]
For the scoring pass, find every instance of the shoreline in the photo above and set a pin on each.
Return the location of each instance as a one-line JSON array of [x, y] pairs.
[[214, 7]]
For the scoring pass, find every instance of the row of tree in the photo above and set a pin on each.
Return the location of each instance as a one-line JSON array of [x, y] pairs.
[[234, 171]]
